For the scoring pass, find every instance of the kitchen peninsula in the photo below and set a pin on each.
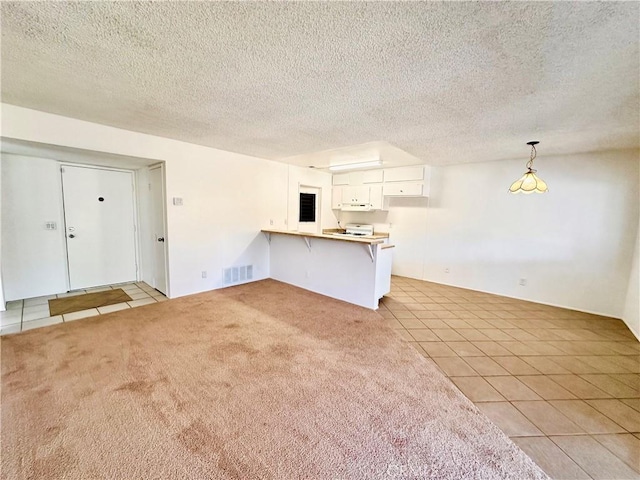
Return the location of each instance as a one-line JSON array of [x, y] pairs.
[[356, 270]]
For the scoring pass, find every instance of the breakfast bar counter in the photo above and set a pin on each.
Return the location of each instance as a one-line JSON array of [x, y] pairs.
[[332, 235], [356, 270]]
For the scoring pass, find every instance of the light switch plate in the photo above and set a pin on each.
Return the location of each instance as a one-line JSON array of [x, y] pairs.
[[177, 201]]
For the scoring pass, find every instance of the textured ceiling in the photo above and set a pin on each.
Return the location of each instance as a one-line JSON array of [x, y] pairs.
[[447, 82]]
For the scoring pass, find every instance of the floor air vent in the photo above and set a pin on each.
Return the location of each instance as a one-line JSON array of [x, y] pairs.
[[237, 274]]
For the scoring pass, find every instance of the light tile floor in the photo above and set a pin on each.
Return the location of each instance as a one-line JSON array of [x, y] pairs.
[[22, 315], [564, 385]]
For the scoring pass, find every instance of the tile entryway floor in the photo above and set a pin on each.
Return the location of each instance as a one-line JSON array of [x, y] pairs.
[[564, 385], [22, 315]]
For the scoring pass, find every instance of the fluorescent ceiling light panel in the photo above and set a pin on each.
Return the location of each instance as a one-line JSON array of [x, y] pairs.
[[351, 166]]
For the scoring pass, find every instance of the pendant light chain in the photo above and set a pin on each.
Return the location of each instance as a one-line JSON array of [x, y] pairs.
[[534, 153], [529, 182]]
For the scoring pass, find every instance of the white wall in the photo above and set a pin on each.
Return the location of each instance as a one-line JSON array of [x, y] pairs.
[[574, 244], [227, 197], [33, 258], [631, 313], [225, 204], [3, 305]]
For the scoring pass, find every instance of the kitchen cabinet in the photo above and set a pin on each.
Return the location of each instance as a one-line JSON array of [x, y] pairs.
[[340, 179], [404, 174], [345, 195], [372, 176], [376, 198], [372, 187], [359, 194], [403, 189], [358, 178], [336, 198]]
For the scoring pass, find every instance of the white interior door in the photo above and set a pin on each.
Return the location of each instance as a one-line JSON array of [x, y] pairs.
[[158, 230], [99, 217]]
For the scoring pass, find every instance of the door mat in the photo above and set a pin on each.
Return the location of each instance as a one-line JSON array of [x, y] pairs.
[[60, 306]]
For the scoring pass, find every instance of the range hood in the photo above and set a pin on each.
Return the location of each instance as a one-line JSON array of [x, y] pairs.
[[355, 207]]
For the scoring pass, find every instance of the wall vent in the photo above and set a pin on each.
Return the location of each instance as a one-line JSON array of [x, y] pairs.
[[233, 275]]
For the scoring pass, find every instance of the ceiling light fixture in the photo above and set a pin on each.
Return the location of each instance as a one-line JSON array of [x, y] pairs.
[[529, 182], [352, 166]]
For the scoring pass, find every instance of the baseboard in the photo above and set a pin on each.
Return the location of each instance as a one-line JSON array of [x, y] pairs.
[[519, 298]]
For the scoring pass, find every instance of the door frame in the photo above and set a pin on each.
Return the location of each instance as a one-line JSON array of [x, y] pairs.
[[136, 229], [161, 167]]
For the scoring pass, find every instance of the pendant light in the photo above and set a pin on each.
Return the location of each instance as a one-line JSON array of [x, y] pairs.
[[529, 182]]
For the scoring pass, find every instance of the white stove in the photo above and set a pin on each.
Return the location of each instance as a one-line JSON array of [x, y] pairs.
[[356, 230]]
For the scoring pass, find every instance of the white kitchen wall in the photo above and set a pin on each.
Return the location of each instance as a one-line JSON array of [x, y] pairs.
[[572, 245], [227, 197], [309, 177], [33, 258]]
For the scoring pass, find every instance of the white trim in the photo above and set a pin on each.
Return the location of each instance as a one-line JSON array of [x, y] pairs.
[[514, 298], [161, 166]]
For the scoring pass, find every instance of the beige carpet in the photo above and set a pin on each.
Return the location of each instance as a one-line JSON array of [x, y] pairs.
[[76, 303], [258, 381]]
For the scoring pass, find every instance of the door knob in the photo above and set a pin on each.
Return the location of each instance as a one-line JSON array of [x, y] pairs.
[[72, 235], [161, 239]]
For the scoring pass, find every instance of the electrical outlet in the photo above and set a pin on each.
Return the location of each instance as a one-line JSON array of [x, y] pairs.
[[446, 270], [523, 282], [270, 222], [204, 274]]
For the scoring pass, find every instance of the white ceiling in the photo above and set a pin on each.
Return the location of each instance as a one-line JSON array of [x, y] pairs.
[[441, 82]]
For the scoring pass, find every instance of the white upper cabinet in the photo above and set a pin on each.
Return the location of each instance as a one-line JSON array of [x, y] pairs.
[[372, 186], [358, 178], [336, 198], [402, 189], [359, 194], [373, 176], [407, 181], [341, 179], [376, 199], [404, 174]]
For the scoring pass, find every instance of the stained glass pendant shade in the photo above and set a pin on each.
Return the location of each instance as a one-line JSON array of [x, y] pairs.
[[529, 182]]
